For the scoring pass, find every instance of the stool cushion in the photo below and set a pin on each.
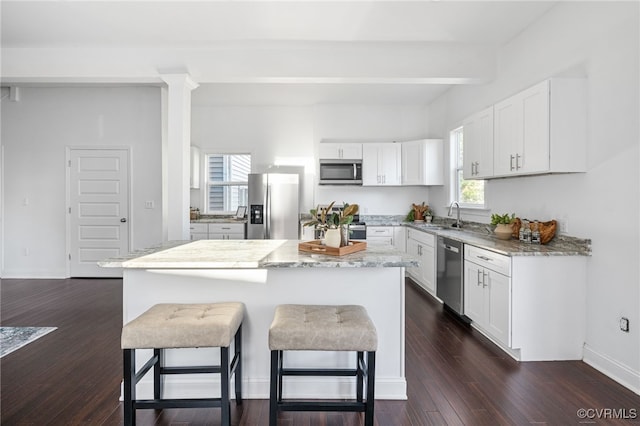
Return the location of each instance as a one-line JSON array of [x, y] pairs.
[[322, 328], [176, 325]]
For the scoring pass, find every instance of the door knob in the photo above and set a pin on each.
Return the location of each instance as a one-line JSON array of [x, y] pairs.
[[123, 220]]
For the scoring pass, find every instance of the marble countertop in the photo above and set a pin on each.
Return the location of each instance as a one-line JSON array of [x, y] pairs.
[[254, 254]]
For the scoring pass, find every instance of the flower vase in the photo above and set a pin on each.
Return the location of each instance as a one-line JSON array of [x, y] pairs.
[[332, 238], [503, 231], [344, 235]]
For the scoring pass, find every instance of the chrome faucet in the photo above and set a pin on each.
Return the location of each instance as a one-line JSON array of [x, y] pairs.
[[458, 224]]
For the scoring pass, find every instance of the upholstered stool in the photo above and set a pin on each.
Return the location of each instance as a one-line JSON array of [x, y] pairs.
[[171, 325], [323, 328]]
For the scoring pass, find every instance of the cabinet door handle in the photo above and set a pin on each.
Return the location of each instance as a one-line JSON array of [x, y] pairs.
[[511, 157], [478, 279], [488, 259], [484, 275], [477, 164], [518, 157]]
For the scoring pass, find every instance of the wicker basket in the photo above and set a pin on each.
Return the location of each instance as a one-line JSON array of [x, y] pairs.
[[547, 229]]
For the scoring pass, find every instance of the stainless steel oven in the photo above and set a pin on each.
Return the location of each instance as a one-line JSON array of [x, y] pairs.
[[357, 231]]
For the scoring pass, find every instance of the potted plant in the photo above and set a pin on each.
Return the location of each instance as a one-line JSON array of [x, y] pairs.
[[335, 225], [503, 222], [420, 212]]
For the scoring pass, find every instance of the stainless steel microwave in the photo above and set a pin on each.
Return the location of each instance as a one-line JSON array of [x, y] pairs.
[[340, 172]]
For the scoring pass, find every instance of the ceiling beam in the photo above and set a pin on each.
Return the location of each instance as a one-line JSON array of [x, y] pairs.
[[298, 63]]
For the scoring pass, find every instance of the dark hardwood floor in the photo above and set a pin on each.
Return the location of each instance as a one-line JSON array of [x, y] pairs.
[[455, 376]]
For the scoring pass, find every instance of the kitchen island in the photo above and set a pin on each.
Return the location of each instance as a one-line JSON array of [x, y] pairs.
[[263, 274]]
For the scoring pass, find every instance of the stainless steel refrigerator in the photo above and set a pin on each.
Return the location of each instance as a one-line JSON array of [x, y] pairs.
[[274, 210]]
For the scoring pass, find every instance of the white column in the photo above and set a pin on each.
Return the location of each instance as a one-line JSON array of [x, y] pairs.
[[176, 153]]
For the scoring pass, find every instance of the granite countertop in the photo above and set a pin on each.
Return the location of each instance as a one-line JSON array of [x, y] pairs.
[[254, 254], [219, 220], [478, 235]]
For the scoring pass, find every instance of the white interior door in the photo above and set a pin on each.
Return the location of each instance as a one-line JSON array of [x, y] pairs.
[[98, 209]]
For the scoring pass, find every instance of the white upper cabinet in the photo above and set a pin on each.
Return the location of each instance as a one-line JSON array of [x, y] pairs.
[[478, 145], [381, 164], [347, 151], [422, 162], [541, 130]]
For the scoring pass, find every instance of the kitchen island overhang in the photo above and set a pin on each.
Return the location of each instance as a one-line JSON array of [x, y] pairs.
[[263, 274]]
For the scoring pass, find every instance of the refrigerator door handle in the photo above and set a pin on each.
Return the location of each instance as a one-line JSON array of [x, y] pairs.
[[267, 212]]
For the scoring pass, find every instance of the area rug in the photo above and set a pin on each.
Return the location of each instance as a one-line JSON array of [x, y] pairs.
[[13, 338]]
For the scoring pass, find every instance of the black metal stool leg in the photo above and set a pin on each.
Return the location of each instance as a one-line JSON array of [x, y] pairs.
[[359, 375], [224, 382], [273, 392], [129, 362], [371, 384], [157, 378], [280, 361], [237, 347]]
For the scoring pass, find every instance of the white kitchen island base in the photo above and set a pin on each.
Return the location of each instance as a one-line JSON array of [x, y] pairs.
[[379, 289]]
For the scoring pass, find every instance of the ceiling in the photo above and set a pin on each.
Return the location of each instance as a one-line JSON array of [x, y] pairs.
[[265, 52]]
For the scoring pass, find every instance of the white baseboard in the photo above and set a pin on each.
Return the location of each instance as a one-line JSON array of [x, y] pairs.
[[294, 387], [613, 369], [25, 275]]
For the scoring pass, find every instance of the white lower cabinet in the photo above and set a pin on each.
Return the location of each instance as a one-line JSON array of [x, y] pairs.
[[533, 307], [422, 245], [199, 231], [380, 235], [391, 236], [226, 231], [400, 238], [217, 231], [487, 296]]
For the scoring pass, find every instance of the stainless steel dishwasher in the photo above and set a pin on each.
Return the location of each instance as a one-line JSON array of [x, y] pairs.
[[450, 277]]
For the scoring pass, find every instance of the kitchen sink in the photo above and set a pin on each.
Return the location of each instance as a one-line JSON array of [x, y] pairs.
[[429, 226]]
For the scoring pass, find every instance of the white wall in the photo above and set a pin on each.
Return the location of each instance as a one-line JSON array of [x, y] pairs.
[[290, 135], [599, 40], [371, 123], [35, 132]]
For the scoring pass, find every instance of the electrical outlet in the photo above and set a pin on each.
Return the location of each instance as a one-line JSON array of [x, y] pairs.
[[563, 226], [149, 204], [624, 324]]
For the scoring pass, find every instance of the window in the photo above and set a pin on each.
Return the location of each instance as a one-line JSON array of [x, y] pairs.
[[227, 177], [468, 193]]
